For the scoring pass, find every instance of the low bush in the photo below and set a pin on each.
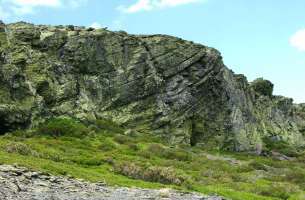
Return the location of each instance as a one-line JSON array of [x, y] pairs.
[[262, 86], [108, 125], [167, 153], [21, 134], [296, 176], [152, 150], [215, 174], [280, 146], [134, 147], [20, 148], [56, 157], [109, 160], [155, 149], [279, 190], [107, 145], [177, 154], [63, 127], [165, 175], [129, 169], [258, 166], [90, 161], [122, 139]]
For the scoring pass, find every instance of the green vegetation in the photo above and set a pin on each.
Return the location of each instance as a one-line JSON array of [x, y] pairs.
[[63, 127], [165, 175], [108, 152], [263, 87], [281, 147]]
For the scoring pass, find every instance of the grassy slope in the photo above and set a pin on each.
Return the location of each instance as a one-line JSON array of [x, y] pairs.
[[106, 155]]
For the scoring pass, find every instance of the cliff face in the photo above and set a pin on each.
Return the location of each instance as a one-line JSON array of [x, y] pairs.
[[160, 83]]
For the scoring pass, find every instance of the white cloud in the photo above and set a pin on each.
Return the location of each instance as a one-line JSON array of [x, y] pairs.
[[298, 40], [141, 5], [96, 25], [34, 3], [76, 3], [23, 7], [147, 5]]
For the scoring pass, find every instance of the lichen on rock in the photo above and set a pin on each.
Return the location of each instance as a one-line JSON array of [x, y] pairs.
[[159, 83]]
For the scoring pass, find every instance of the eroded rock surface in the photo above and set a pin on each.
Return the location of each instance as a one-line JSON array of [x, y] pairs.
[[18, 183], [160, 83]]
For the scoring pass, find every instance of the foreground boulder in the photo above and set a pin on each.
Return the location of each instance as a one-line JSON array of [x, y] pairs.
[[18, 183], [158, 83]]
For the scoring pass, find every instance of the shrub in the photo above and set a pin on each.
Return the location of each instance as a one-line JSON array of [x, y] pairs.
[[156, 149], [258, 166], [107, 145], [296, 176], [90, 29], [63, 127], [167, 153], [215, 174], [152, 150], [56, 157], [89, 161], [21, 134], [279, 190], [122, 139], [177, 154], [280, 146], [244, 168], [263, 87], [109, 160], [165, 175], [134, 147], [145, 154], [130, 170], [20, 148], [71, 27], [108, 125]]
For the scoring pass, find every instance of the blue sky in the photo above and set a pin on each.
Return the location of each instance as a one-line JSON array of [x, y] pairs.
[[259, 38]]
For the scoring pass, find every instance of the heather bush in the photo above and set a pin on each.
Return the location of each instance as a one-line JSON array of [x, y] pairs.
[[63, 127]]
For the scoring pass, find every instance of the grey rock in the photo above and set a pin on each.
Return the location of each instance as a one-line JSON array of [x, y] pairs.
[[166, 85], [20, 188], [2, 26]]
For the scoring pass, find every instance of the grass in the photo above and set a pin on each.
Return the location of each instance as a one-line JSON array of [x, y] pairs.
[[105, 153]]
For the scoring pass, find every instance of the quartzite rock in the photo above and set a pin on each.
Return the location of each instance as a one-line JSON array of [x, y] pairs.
[[164, 84], [17, 183]]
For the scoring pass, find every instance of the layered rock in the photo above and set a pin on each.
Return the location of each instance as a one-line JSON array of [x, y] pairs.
[[158, 83], [18, 183]]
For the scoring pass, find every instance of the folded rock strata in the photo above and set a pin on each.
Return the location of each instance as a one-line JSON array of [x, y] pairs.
[[159, 83]]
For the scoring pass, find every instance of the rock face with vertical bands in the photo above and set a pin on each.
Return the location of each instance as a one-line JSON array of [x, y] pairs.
[[158, 83]]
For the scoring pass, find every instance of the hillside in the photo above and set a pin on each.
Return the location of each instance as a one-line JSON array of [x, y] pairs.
[[150, 111], [120, 157], [31, 185]]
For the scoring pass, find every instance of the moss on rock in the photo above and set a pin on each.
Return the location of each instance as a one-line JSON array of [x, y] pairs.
[[172, 87]]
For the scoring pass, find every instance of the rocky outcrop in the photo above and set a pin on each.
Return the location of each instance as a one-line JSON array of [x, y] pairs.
[[158, 83], [18, 183]]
